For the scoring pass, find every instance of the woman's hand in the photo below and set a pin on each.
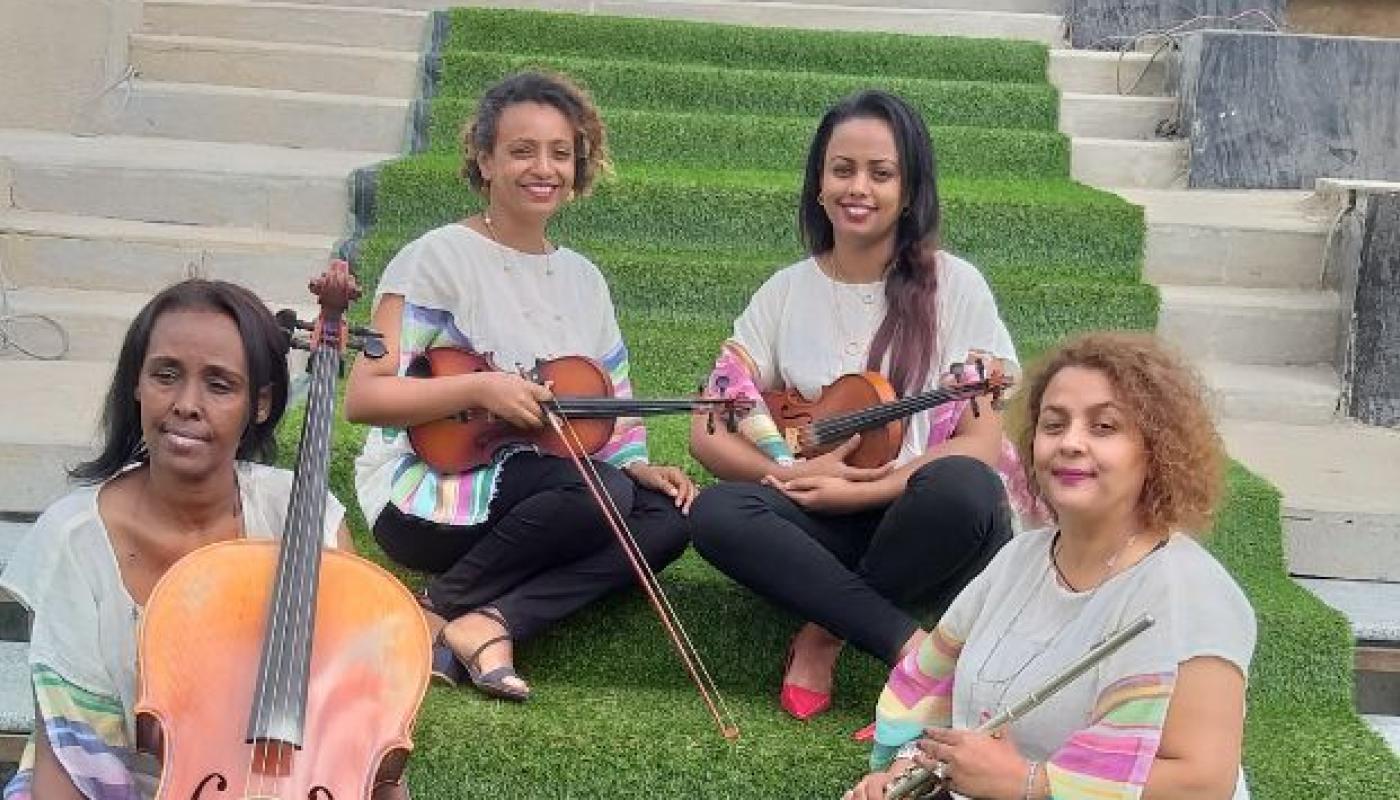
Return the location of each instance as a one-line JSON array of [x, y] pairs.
[[826, 494], [670, 481], [511, 398], [977, 764], [876, 784], [833, 464]]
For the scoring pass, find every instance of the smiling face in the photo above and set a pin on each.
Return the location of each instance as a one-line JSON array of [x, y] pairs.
[[193, 393], [861, 182], [530, 169], [1090, 456]]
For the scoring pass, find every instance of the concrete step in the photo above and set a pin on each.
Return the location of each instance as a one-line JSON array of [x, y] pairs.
[[189, 182], [10, 535], [1387, 727], [283, 118], [1011, 6], [1046, 28], [1124, 163], [95, 321], [1295, 395], [277, 65], [72, 252], [40, 438], [1095, 72], [386, 28], [1251, 326], [1111, 116], [16, 693], [1258, 239], [1341, 512]]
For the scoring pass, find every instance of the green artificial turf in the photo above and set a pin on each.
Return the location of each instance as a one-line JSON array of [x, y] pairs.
[[709, 126]]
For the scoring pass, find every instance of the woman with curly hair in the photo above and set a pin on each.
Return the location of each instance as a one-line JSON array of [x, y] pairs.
[[1121, 446], [518, 544]]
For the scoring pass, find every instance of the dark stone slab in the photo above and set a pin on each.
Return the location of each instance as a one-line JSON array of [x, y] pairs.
[[1113, 24], [1278, 111], [1374, 359]]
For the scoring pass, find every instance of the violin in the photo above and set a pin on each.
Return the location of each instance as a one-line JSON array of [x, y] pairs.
[[270, 669], [583, 393], [866, 403]]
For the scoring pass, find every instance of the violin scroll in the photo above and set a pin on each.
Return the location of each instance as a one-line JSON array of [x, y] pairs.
[[335, 289]]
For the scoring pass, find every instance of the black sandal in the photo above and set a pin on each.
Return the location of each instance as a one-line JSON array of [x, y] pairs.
[[493, 683]]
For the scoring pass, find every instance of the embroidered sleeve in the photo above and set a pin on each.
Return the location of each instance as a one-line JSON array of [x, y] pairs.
[[735, 375], [628, 444], [87, 734], [918, 694], [1111, 758]]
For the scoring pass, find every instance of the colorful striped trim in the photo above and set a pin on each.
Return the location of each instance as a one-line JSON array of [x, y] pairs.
[[1112, 757], [734, 376], [87, 732], [918, 694], [628, 444]]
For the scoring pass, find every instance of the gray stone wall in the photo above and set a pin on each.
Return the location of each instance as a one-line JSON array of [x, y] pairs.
[[1364, 261], [1111, 24], [1277, 111]]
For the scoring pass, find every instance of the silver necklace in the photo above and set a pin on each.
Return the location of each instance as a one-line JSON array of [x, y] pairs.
[[1053, 640], [501, 246], [848, 342]]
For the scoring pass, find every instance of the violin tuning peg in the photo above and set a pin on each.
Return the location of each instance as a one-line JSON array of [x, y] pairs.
[[710, 423], [976, 411]]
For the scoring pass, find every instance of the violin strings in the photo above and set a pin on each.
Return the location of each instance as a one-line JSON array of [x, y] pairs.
[[844, 425], [680, 638]]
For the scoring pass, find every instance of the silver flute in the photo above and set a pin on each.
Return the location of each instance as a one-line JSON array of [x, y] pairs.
[[921, 783]]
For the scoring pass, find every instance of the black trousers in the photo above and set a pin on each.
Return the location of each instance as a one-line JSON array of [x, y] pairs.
[[868, 577], [543, 552]]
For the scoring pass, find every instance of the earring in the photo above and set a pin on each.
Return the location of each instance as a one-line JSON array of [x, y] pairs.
[[821, 199]]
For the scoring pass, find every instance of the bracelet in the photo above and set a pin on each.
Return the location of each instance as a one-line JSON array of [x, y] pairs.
[[1030, 780], [909, 751]]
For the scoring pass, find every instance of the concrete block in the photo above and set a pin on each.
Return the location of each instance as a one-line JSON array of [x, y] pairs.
[[16, 689], [1251, 326], [39, 438], [1371, 360], [68, 252], [263, 116], [1122, 163], [276, 65], [1093, 72], [387, 28], [1294, 395], [1242, 239], [204, 183], [1113, 24], [1114, 116], [1267, 110]]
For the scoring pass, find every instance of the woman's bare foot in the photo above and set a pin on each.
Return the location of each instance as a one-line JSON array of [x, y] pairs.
[[467, 634], [814, 654]]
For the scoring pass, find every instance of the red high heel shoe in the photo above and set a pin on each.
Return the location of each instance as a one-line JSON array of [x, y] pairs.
[[800, 702]]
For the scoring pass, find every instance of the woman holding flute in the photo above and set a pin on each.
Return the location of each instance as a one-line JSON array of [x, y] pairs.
[[1120, 445]]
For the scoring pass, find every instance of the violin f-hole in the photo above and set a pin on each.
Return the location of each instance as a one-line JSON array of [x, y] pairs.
[[220, 786]]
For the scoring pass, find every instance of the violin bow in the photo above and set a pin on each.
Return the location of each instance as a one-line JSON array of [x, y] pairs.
[[660, 603]]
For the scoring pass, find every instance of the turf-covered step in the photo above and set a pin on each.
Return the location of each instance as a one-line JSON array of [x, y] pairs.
[[754, 141], [657, 41], [727, 90], [993, 221]]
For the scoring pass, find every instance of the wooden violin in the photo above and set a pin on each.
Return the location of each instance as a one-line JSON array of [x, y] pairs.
[[866, 403], [270, 669], [583, 392]]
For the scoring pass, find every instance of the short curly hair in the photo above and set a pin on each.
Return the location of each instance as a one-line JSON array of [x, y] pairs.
[[1165, 399], [590, 137]]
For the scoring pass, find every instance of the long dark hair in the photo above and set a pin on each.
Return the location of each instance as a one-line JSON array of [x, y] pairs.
[[264, 347], [909, 328]]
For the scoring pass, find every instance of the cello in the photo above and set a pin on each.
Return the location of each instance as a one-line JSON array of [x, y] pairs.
[[269, 669]]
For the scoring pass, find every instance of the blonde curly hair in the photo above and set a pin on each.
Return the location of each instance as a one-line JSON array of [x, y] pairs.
[[552, 89], [1165, 399]]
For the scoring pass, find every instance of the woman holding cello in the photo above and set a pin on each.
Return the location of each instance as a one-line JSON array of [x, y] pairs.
[[864, 549], [518, 542], [199, 387]]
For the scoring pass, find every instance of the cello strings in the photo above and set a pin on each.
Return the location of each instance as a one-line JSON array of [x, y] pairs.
[[680, 638]]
